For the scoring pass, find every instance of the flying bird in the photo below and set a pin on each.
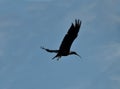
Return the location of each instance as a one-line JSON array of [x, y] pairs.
[[64, 49]]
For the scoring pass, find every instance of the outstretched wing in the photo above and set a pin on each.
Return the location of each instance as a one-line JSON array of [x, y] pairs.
[[70, 36], [48, 50]]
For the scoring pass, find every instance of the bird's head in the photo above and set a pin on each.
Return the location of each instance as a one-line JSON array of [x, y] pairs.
[[72, 52]]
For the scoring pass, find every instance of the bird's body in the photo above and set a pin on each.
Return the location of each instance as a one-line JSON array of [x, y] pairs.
[[64, 49]]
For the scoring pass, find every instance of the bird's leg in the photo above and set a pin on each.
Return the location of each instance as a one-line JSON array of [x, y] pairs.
[[58, 57]]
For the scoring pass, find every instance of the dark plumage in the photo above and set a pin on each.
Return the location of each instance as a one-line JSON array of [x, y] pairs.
[[64, 49]]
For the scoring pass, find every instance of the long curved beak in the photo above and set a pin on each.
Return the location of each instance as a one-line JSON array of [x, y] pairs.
[[78, 55]]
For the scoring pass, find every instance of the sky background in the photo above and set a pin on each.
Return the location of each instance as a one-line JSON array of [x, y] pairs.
[[25, 25]]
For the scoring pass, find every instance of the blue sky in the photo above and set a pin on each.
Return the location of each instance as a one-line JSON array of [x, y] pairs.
[[25, 25]]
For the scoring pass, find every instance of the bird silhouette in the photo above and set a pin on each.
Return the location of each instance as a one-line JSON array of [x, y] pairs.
[[64, 49]]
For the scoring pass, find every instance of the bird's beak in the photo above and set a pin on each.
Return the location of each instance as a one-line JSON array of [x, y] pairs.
[[78, 55]]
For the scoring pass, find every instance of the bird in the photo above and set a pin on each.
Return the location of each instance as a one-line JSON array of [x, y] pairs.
[[64, 49]]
